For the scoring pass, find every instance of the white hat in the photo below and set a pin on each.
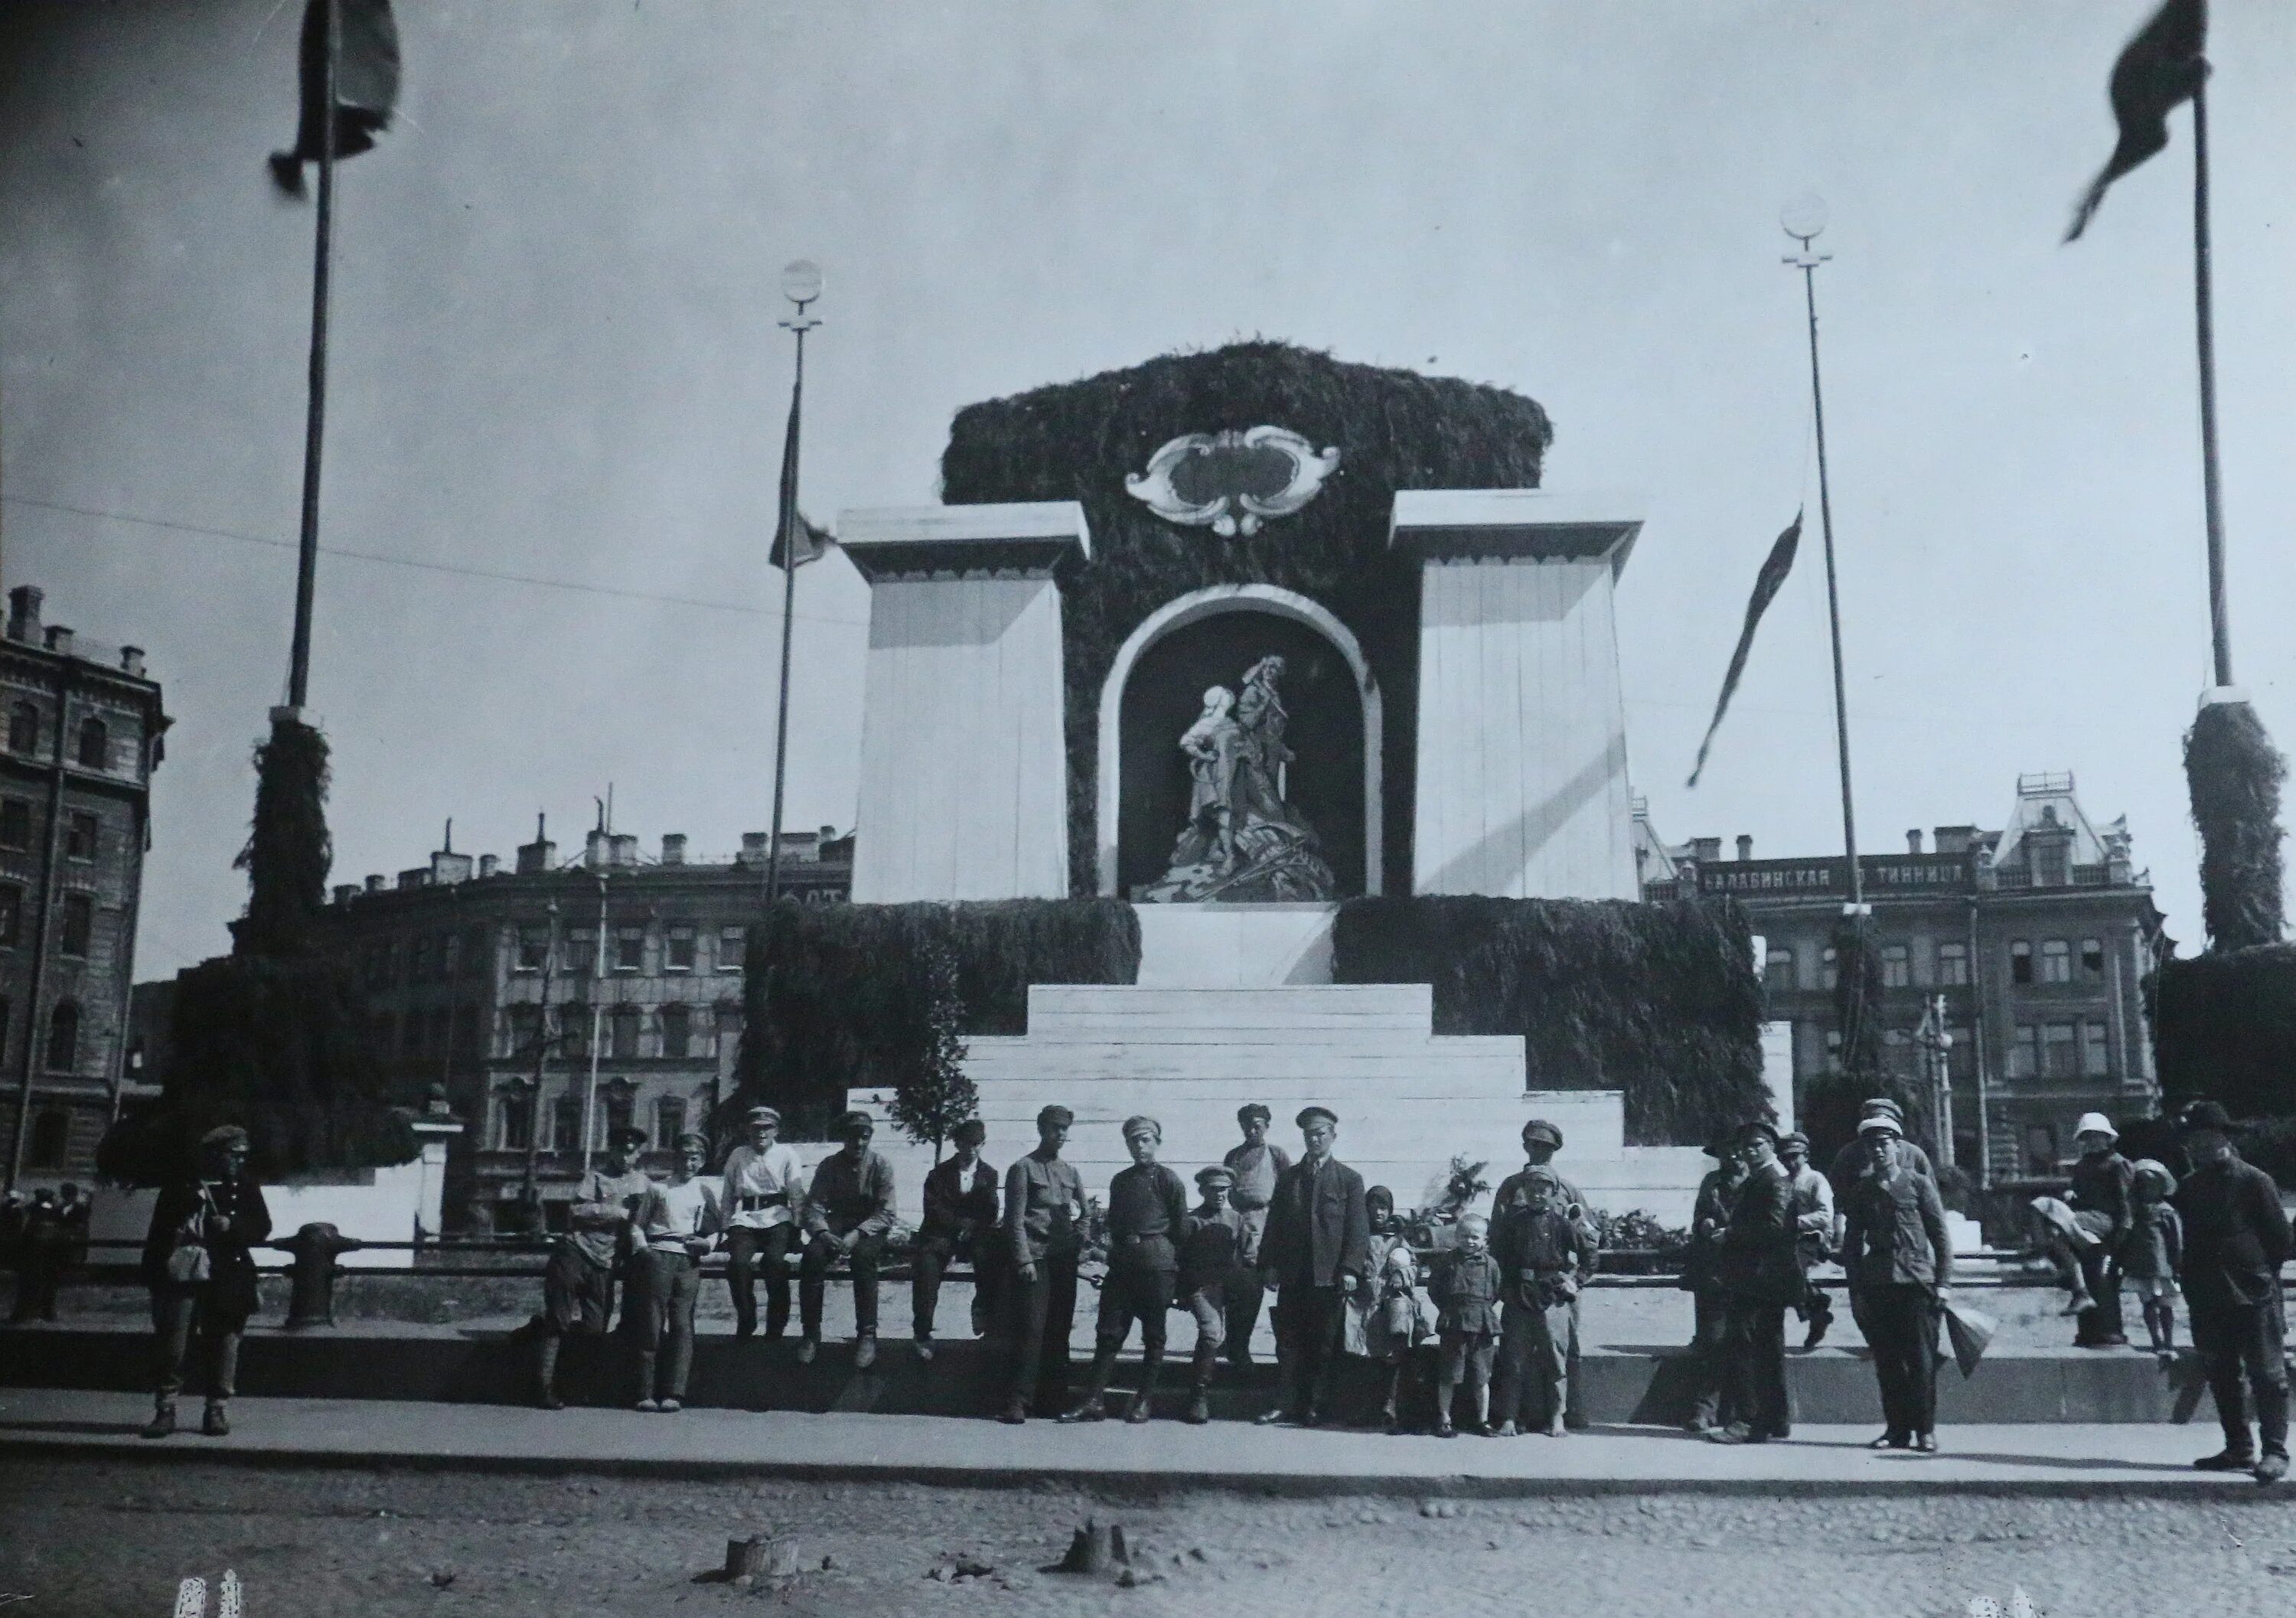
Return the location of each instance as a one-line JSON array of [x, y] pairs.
[[2096, 1123], [1880, 1124]]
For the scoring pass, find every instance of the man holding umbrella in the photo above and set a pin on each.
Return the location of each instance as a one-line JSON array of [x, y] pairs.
[[2236, 1238], [1900, 1258]]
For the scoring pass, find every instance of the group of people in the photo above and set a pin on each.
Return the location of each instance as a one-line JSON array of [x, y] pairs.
[[2117, 1222], [43, 1237]]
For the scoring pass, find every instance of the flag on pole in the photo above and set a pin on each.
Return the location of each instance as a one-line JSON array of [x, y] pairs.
[[810, 540], [812, 543], [366, 85], [1768, 583], [2159, 70]]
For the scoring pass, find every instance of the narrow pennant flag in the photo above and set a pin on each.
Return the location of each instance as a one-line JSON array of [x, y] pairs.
[[811, 542], [1768, 583], [366, 85], [2159, 70]]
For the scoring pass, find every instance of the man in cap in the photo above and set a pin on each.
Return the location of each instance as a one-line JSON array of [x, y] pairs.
[[1147, 1221], [1813, 1206], [1316, 1252], [1212, 1264], [200, 1267], [1541, 1140], [764, 1185], [2236, 1238], [1044, 1234], [1547, 1250], [2101, 1202], [1899, 1259], [679, 1222], [960, 1222], [578, 1282], [1700, 1277], [1759, 1281], [1257, 1163], [848, 1210], [1852, 1161]]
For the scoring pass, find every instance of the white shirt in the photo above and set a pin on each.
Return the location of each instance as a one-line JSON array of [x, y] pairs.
[[775, 1171], [683, 1214]]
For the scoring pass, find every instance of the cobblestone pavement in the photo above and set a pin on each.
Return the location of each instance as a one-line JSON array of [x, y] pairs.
[[115, 1537]]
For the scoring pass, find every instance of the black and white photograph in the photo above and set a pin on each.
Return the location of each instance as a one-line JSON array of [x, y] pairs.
[[884, 808]]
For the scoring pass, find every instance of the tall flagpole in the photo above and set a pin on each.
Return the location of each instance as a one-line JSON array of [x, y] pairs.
[[801, 284], [1803, 219], [306, 560], [2204, 299]]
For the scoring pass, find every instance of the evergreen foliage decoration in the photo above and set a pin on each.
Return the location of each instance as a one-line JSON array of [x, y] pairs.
[[279, 1047], [1393, 428], [2225, 1029], [288, 851], [1658, 1000], [1827, 1108], [2234, 774], [938, 1095], [841, 996]]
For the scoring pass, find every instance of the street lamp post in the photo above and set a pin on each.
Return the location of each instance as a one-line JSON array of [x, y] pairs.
[[801, 285], [530, 1194]]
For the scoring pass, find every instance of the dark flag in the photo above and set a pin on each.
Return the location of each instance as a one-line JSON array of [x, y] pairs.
[[810, 540], [366, 85], [2159, 69], [812, 543], [1768, 583]]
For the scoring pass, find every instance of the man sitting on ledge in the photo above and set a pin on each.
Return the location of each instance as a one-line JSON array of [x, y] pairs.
[[847, 1214]]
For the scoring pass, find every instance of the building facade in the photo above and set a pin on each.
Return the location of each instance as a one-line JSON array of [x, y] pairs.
[[84, 734], [615, 977], [2033, 941]]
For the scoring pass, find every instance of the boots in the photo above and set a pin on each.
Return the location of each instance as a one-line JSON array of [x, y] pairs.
[[546, 1373], [1199, 1382], [163, 1418], [1094, 1406], [1142, 1403], [215, 1424]]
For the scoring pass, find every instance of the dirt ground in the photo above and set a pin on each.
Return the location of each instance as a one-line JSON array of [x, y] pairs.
[[103, 1537]]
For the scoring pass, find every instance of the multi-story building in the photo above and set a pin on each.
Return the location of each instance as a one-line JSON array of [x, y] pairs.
[[616, 977], [2034, 940], [84, 735]]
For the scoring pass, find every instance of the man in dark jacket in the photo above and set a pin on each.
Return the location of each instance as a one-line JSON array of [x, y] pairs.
[[1148, 1221], [848, 1212], [1899, 1259], [1759, 1281], [1316, 1250], [1044, 1221], [2101, 1200], [960, 1222], [202, 1273], [1700, 1277], [2236, 1238]]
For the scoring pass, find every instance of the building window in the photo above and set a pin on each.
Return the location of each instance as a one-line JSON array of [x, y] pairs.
[[1833, 1051], [668, 1122], [514, 1120], [2095, 1056], [2057, 961], [2093, 958], [2025, 1052], [621, 1109], [12, 914], [676, 1030], [533, 947], [733, 945], [2052, 863], [16, 825], [679, 956], [630, 950], [474, 953], [1830, 968], [79, 837], [2021, 962], [442, 1030], [1961, 1055], [79, 924], [582, 951], [566, 1124], [1778, 969], [64, 1038], [2059, 1060], [525, 1028], [466, 1032], [50, 1143], [450, 956], [574, 1028], [94, 745], [2041, 1150], [418, 960], [625, 1031], [1897, 966], [1953, 965], [24, 728]]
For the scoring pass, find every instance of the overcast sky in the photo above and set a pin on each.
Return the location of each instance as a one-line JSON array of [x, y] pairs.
[[556, 358]]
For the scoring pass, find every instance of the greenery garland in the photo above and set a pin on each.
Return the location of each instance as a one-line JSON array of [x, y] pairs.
[[2234, 774], [288, 851], [2225, 1029]]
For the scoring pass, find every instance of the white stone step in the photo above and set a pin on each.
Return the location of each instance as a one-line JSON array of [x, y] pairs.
[[1438, 1067], [1128, 1008]]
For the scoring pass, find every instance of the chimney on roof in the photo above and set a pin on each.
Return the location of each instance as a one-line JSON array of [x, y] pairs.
[[538, 855], [1913, 840], [375, 884], [673, 848], [595, 850], [418, 876], [60, 640], [1745, 846], [346, 891], [1956, 839], [753, 848], [622, 848], [488, 864], [1706, 851], [131, 661], [24, 612], [829, 833]]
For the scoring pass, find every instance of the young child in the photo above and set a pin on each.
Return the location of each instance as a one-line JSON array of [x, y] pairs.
[[1547, 1250], [2155, 1247], [1385, 1320], [1210, 1263], [2062, 1236], [1466, 1292]]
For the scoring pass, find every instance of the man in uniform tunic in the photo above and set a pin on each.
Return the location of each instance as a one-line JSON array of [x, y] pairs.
[[1541, 1140], [1147, 1221], [2236, 1238], [848, 1211], [1044, 1221], [577, 1284], [1212, 1264], [765, 1183], [1257, 1165], [1316, 1252], [1899, 1260], [1813, 1207], [1759, 1281], [1702, 1277]]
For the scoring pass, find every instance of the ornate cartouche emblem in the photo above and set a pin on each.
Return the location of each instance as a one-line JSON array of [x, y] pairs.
[[1232, 481]]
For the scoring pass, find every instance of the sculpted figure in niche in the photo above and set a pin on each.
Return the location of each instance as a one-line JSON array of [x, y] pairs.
[[1243, 840]]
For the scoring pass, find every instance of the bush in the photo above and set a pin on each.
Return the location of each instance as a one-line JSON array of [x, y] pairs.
[[2233, 773], [841, 996], [2226, 1029], [1660, 1001]]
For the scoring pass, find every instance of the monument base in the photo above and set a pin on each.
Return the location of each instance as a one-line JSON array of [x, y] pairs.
[[1217, 946]]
